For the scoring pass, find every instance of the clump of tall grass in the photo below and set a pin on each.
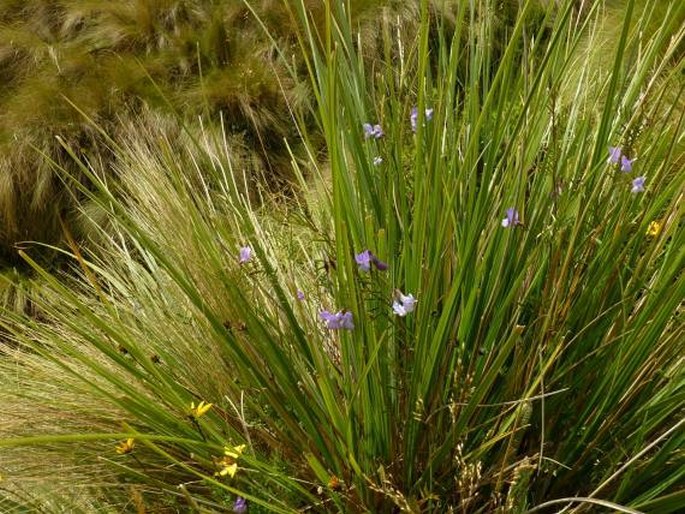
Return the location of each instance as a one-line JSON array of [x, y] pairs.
[[475, 311]]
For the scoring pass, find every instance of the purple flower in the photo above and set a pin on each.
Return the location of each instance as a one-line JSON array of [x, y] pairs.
[[512, 218], [240, 505], [626, 164], [375, 131], [403, 304], [363, 260], [638, 185], [378, 160], [337, 321], [414, 117], [245, 254], [346, 321], [614, 154], [366, 258], [300, 295]]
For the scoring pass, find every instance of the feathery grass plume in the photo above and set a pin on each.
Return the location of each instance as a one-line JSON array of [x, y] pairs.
[[114, 60], [540, 366]]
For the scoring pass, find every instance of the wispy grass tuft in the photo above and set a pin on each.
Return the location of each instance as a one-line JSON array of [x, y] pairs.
[[120, 60]]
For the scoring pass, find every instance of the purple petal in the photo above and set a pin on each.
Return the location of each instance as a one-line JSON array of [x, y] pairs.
[[332, 320], [375, 131], [626, 164], [638, 185], [399, 308], [346, 321], [614, 154], [300, 295], [326, 316], [413, 118], [245, 254], [408, 301], [512, 218], [333, 324], [403, 304], [240, 505], [337, 321], [363, 260]]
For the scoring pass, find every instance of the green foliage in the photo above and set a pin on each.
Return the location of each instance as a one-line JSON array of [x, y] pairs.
[[542, 366]]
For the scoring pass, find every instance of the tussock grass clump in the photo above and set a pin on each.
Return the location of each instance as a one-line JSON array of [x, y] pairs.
[[117, 61], [476, 310]]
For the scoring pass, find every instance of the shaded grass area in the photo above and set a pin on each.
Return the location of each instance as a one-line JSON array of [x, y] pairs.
[[540, 368], [118, 61]]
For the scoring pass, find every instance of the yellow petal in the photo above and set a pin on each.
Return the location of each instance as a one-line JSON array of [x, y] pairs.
[[201, 409], [234, 452], [334, 483], [654, 228], [229, 470], [126, 446]]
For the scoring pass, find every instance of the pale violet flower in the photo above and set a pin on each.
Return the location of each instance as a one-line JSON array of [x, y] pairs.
[[245, 254], [617, 156], [403, 304], [365, 259], [375, 131], [300, 295], [626, 164], [511, 219], [337, 321], [614, 154], [240, 505], [639, 185], [414, 117]]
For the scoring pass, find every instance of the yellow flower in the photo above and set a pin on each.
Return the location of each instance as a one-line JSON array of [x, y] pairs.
[[228, 469], [200, 410], [228, 463], [334, 483], [235, 451], [654, 228], [125, 446]]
